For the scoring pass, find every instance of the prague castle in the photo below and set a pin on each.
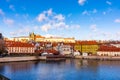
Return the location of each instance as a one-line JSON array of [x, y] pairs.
[[39, 38]]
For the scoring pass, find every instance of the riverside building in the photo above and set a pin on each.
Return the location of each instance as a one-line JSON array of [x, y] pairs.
[[19, 47], [108, 50], [86, 46]]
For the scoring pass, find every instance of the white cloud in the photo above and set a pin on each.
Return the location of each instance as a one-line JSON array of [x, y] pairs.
[[1, 12], [94, 11], [51, 20], [35, 27], [69, 15], [13, 33], [85, 12], [107, 35], [26, 29], [104, 13], [60, 25], [41, 17], [45, 27], [8, 21], [51, 35], [56, 25], [75, 26], [44, 15], [12, 7], [117, 20], [93, 27], [81, 2], [49, 12], [59, 17], [109, 10], [108, 2], [21, 31], [117, 34]]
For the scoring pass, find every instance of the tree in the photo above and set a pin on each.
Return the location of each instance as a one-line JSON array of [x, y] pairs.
[[3, 50]]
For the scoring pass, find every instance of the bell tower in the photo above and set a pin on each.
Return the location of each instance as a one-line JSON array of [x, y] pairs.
[[32, 36]]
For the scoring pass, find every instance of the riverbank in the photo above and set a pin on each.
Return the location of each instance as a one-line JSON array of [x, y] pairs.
[[32, 58], [26, 58], [99, 57]]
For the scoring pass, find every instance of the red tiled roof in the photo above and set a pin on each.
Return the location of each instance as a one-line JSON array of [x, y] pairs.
[[108, 48], [38, 36], [86, 42], [17, 44]]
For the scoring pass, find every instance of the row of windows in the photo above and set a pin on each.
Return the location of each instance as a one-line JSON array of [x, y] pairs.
[[109, 54], [66, 50], [55, 40], [20, 50]]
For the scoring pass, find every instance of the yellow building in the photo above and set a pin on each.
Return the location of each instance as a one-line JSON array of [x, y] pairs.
[[90, 48], [87, 47]]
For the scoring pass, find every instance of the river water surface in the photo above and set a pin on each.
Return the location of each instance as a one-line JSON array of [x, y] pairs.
[[71, 69]]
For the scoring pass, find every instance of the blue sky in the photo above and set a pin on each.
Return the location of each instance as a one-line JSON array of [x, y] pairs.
[[82, 19]]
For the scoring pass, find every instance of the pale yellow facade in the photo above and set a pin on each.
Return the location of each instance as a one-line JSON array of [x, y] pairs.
[[59, 39], [87, 48], [21, 39], [39, 38]]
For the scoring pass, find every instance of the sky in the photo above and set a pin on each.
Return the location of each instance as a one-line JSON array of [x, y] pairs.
[[81, 19]]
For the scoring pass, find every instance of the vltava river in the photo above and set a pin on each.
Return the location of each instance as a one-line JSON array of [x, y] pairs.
[[73, 69]]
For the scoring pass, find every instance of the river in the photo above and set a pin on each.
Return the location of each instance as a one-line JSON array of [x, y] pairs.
[[71, 69]]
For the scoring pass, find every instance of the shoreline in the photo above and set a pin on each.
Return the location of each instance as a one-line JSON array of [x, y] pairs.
[[19, 59], [99, 57], [43, 58]]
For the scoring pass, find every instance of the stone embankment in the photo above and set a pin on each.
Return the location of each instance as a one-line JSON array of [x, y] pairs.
[[27, 58], [32, 58], [99, 57]]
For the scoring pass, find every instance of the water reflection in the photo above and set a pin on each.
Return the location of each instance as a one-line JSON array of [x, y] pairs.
[[71, 69]]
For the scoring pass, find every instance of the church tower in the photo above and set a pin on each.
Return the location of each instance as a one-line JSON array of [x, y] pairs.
[[32, 36]]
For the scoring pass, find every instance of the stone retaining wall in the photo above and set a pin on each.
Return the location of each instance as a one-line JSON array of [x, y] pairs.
[[28, 58]]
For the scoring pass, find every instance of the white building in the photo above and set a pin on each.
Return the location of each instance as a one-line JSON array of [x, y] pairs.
[[66, 49], [105, 50], [108, 53], [76, 53], [116, 45]]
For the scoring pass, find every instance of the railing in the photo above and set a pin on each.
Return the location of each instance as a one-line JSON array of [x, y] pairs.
[[3, 77]]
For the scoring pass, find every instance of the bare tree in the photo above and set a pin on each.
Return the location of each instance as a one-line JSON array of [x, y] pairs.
[[2, 45]]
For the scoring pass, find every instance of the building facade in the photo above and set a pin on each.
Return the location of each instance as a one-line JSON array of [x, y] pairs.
[[21, 39], [86, 47], [39, 38], [64, 49], [107, 50], [18, 47]]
